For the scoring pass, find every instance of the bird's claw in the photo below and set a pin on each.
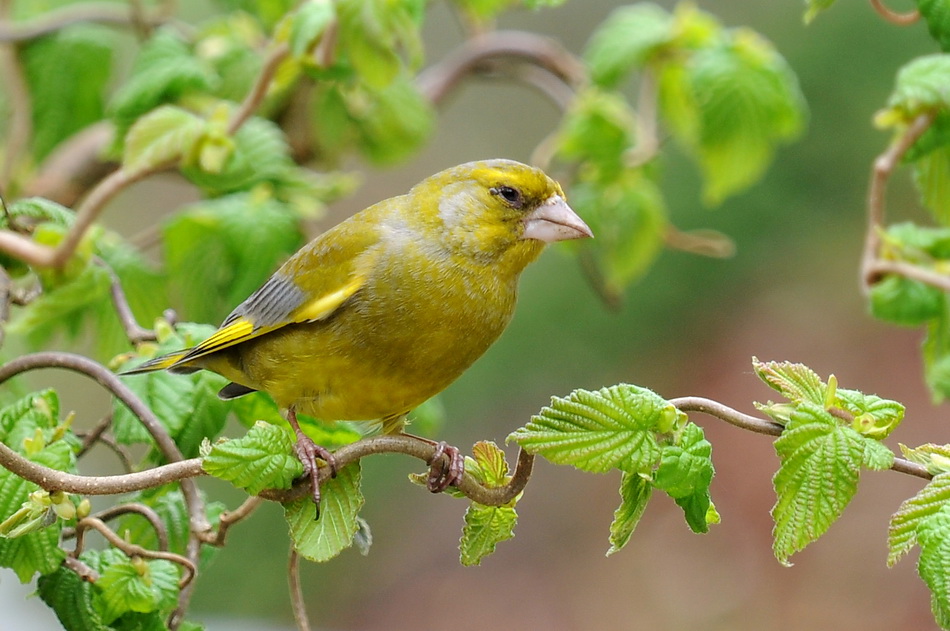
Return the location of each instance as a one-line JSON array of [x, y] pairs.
[[441, 476]]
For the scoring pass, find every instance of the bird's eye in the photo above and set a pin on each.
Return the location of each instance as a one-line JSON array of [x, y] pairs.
[[510, 195]]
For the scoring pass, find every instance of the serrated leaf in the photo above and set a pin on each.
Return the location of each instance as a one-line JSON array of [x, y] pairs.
[[905, 302], [635, 492], [627, 40], [485, 527], [598, 127], [164, 135], [685, 473], [25, 415], [932, 177], [904, 525], [936, 14], [261, 459], [38, 209], [309, 23], [598, 431], [136, 586], [490, 467], [820, 466], [67, 73], [922, 85], [795, 382], [934, 563], [374, 32], [935, 457], [341, 499], [814, 7], [936, 355], [392, 122], [873, 416], [71, 599]]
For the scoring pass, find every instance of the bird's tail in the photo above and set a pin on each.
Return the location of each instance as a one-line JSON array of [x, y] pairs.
[[164, 362]]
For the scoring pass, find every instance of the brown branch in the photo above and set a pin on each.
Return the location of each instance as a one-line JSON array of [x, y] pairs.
[[437, 81], [57, 19], [703, 242], [113, 512], [908, 270], [84, 572], [900, 19], [770, 428], [296, 592], [131, 549], [229, 518], [884, 166], [133, 331], [258, 91]]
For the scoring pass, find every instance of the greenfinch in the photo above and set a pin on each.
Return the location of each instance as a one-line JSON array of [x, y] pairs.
[[389, 307]]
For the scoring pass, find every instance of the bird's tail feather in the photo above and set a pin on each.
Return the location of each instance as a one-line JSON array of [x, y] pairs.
[[164, 362]]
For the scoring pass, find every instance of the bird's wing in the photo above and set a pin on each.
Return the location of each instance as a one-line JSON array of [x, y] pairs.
[[309, 287]]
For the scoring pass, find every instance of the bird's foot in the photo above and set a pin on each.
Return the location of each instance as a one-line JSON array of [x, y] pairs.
[[441, 476], [307, 452]]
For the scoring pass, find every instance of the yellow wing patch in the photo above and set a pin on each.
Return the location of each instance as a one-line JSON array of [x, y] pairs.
[[322, 306]]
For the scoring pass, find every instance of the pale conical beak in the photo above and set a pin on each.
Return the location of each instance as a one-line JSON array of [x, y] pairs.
[[555, 221]]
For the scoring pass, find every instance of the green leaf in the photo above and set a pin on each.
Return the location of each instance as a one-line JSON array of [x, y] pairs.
[[485, 527], [597, 431], [598, 127], [748, 101], [934, 563], [67, 73], [936, 14], [905, 302], [489, 465], [71, 599], [164, 71], [796, 382], [137, 585], [685, 473], [922, 85], [374, 32], [309, 23], [627, 40], [814, 7], [324, 538], [21, 419], [393, 122], [905, 524], [635, 492], [164, 135], [935, 457], [261, 459], [219, 251], [873, 416], [932, 177], [820, 465], [936, 355], [173, 512]]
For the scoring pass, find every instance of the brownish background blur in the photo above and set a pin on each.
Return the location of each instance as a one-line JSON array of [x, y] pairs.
[[689, 328]]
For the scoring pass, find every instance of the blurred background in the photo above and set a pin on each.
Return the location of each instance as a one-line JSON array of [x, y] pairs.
[[689, 328]]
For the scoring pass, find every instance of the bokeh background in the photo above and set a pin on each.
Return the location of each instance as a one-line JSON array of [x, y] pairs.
[[689, 328]]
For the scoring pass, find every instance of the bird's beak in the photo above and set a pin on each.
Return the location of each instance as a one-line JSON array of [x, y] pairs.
[[554, 221]]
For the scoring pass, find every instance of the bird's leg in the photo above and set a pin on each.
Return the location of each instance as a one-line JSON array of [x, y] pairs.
[[308, 452], [441, 476]]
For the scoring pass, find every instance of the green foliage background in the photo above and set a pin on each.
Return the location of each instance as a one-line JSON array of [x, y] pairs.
[[689, 327]]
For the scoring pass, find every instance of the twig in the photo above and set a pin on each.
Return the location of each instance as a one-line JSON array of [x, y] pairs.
[[133, 331], [57, 19], [900, 19], [147, 512], [131, 549], [84, 572], [884, 166], [770, 428], [908, 270], [6, 297], [296, 592], [703, 242], [258, 91], [437, 81], [229, 518]]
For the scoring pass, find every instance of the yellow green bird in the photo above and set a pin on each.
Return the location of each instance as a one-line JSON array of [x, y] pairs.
[[389, 307]]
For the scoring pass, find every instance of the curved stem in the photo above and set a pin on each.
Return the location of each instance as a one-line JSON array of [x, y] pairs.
[[900, 19], [296, 592]]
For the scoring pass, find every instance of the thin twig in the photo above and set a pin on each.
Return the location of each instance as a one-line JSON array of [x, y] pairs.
[[900, 19], [6, 297], [884, 166], [131, 549], [258, 91], [770, 428], [57, 19], [92, 436], [84, 572], [153, 518], [133, 331], [704, 242], [229, 518], [296, 592], [910, 271], [437, 81]]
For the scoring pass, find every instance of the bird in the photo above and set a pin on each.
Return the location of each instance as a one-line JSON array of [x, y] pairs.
[[387, 308]]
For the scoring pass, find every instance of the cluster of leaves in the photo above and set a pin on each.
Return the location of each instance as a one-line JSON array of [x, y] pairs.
[[725, 95]]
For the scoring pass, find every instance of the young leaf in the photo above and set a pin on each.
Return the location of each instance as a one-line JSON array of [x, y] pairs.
[[905, 302], [627, 40], [392, 122], [795, 382], [821, 461], [635, 492], [135, 585], [261, 459], [598, 431], [685, 473], [934, 563], [933, 182], [921, 86], [935, 457], [164, 135], [485, 527], [309, 23], [324, 538], [599, 127], [873, 416], [905, 524], [815, 7], [936, 14]]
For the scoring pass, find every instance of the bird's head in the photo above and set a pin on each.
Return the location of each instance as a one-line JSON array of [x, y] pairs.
[[498, 209]]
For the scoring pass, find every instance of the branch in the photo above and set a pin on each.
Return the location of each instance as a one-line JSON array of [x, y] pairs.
[[133, 331], [258, 91], [884, 166], [770, 428], [57, 19], [437, 81], [900, 19], [124, 509], [229, 518], [296, 592]]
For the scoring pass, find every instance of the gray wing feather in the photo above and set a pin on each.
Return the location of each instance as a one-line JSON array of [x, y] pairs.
[[270, 305]]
